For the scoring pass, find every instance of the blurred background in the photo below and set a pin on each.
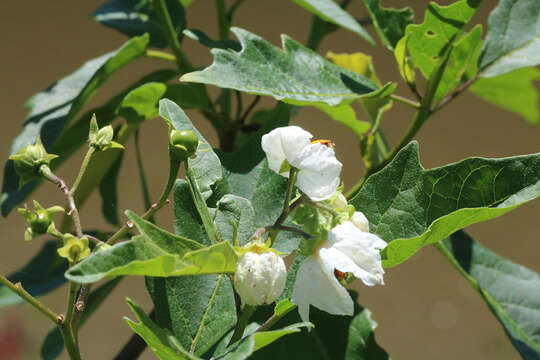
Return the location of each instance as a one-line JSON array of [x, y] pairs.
[[425, 311]]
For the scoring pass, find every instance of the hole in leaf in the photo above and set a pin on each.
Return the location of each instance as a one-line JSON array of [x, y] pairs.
[[430, 33]]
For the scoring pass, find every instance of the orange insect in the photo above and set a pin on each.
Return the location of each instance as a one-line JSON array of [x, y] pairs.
[[328, 143], [340, 275]]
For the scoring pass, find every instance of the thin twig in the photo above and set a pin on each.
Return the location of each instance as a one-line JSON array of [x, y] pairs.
[[460, 89], [290, 229], [248, 110]]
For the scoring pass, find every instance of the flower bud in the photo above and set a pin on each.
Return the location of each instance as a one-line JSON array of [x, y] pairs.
[[360, 221], [260, 278], [183, 143], [101, 139], [74, 249], [29, 159], [39, 219]]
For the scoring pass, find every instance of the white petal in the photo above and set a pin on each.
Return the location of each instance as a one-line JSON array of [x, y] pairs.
[[284, 143], [360, 221], [362, 249], [318, 175], [316, 285]]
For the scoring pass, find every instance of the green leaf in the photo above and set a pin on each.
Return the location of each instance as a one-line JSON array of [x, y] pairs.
[[463, 58], [410, 207], [511, 291], [155, 253], [329, 11], [52, 109], [206, 166], [198, 310], [361, 343], [296, 74], [205, 40], [43, 274], [389, 23], [187, 221], [142, 103], [513, 37], [514, 91], [54, 344], [253, 341], [136, 17], [164, 345], [441, 26], [108, 189], [235, 210]]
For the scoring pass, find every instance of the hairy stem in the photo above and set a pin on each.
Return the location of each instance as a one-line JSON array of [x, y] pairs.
[[19, 290], [156, 54], [82, 170], [405, 101]]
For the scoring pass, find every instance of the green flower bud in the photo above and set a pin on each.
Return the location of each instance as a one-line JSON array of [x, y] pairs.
[[101, 139], [29, 159], [183, 143], [39, 219], [74, 249]]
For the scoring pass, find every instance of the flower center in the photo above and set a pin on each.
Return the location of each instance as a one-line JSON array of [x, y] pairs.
[[328, 143]]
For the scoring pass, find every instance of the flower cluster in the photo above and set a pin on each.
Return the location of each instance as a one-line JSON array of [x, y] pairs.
[[316, 163], [339, 243]]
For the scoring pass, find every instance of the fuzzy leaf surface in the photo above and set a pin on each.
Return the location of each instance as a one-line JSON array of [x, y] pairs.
[[329, 11], [410, 207], [511, 291], [295, 74], [513, 37]]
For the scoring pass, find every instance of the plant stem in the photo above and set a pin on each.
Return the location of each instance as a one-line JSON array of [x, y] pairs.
[[72, 297], [290, 229], [174, 166], [156, 54], [242, 323], [69, 342], [405, 101], [168, 28], [19, 290], [457, 91], [248, 110], [82, 170], [274, 319], [47, 173], [142, 176], [223, 20]]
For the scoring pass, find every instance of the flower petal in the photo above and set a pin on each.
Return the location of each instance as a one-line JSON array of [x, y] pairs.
[[284, 143], [360, 221], [362, 249], [318, 175], [316, 285]]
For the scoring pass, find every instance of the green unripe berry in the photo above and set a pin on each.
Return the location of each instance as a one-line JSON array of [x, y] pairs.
[[40, 220], [28, 160], [183, 143]]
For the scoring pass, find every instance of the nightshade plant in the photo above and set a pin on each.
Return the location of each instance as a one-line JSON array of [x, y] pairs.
[[268, 190]]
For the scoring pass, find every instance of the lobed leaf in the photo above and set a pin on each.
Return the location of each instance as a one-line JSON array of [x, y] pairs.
[[329, 11], [410, 207], [511, 291], [513, 38], [296, 74], [53, 108], [203, 39], [441, 26], [136, 17], [514, 91], [390, 23]]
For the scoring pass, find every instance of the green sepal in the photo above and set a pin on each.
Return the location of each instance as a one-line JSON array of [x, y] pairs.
[[29, 159], [102, 139], [39, 219], [74, 249]]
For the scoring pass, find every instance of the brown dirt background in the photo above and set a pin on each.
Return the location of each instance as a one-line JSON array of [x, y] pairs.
[[425, 311]]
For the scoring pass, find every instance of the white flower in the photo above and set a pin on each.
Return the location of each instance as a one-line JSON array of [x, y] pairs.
[[318, 168], [347, 250], [360, 221], [260, 278]]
